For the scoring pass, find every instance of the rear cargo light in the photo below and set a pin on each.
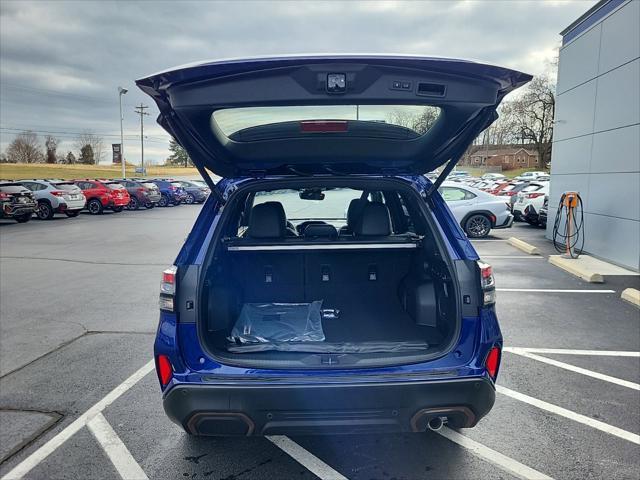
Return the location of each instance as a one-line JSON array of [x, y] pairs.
[[492, 363], [164, 369], [487, 284], [323, 126], [534, 195], [168, 288]]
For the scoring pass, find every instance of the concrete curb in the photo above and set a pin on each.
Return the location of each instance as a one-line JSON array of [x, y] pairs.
[[570, 265], [524, 246], [632, 296]]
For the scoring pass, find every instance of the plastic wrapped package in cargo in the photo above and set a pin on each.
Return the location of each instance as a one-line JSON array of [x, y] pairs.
[[278, 322]]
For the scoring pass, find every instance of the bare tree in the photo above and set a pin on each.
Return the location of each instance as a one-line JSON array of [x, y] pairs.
[[531, 115], [419, 122], [51, 145], [25, 148], [94, 141]]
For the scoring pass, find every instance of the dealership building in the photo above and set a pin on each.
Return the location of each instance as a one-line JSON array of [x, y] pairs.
[[596, 144]]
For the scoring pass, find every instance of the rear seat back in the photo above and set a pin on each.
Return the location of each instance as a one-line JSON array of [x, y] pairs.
[[292, 276]]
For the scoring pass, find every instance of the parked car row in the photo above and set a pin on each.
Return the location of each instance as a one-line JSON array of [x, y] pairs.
[[524, 197], [21, 199]]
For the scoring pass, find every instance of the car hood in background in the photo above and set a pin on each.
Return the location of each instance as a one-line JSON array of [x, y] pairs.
[[466, 94]]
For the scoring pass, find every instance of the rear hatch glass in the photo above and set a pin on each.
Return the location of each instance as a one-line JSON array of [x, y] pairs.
[[392, 120], [67, 186]]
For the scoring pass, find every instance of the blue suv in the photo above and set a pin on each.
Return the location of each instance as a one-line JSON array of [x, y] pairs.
[[325, 286]]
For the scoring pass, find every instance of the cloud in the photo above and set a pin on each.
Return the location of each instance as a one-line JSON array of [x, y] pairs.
[[61, 62]]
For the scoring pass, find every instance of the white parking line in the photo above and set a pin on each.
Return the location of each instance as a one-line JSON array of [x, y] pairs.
[[583, 371], [567, 351], [507, 464], [305, 458], [514, 257], [115, 449], [552, 290], [576, 417], [48, 448]]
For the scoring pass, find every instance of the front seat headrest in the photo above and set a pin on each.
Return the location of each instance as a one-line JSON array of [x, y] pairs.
[[267, 220], [374, 220], [322, 230]]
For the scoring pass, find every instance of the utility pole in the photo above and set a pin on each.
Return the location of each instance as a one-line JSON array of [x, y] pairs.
[[140, 110]]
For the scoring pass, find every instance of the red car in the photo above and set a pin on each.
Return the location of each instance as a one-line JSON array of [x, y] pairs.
[[103, 194], [497, 188]]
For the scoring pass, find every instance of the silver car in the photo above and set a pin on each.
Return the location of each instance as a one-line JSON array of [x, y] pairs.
[[55, 196], [477, 212]]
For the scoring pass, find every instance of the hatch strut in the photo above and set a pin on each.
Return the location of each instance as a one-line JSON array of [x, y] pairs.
[[176, 131], [443, 175], [483, 119], [209, 181]]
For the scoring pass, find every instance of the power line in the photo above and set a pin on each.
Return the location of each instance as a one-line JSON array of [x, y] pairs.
[[63, 133]]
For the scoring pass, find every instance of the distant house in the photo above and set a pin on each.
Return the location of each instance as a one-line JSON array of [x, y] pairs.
[[506, 156]]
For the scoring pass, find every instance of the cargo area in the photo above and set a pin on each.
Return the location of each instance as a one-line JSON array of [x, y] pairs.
[[373, 283]]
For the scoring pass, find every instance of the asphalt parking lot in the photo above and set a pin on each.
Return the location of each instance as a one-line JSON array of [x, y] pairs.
[[79, 398]]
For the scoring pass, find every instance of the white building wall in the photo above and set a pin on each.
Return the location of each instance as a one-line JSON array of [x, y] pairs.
[[596, 147]]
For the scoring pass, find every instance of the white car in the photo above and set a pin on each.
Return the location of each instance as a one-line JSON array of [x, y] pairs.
[[476, 211], [493, 176], [529, 201], [530, 176], [55, 196]]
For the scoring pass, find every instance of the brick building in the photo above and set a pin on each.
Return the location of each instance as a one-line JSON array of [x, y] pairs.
[[505, 156]]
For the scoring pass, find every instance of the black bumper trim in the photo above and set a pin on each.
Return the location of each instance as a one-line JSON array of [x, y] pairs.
[[327, 408]]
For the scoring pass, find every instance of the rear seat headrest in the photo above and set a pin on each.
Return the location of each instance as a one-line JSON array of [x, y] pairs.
[[267, 220], [323, 230], [354, 211], [374, 220]]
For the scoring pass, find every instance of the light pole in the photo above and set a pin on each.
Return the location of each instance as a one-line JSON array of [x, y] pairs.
[[122, 91]]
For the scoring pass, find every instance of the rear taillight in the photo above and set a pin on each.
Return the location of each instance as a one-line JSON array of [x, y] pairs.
[[58, 193], [141, 189], [173, 188], [164, 369], [4, 195], [487, 284], [534, 195], [168, 289], [492, 363]]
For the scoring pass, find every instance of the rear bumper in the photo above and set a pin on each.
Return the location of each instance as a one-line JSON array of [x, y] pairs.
[[507, 223], [327, 408], [18, 209]]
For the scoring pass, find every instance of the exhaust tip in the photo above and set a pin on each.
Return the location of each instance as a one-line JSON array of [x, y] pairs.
[[435, 423]]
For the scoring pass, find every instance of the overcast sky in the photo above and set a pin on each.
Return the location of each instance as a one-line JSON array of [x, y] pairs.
[[61, 62]]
